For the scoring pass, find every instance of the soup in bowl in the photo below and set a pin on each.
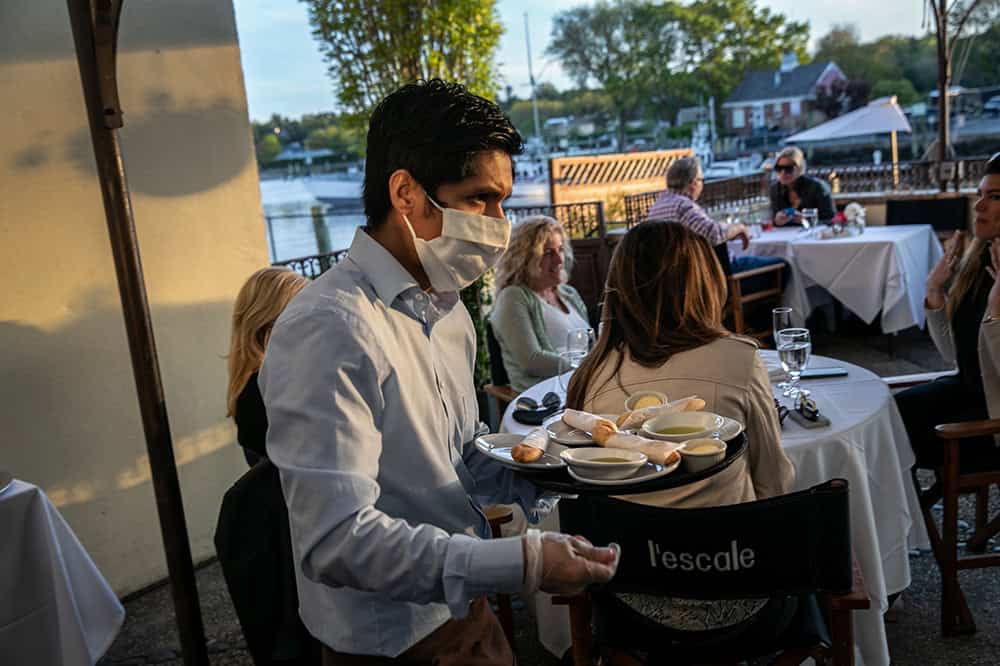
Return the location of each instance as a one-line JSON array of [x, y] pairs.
[[699, 454], [603, 464], [682, 426], [643, 399]]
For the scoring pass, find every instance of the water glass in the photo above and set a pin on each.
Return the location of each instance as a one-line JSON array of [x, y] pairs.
[[794, 349], [810, 217], [569, 360], [580, 339], [781, 319]]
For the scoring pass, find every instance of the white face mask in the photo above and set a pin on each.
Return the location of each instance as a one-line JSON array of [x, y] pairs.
[[469, 245]]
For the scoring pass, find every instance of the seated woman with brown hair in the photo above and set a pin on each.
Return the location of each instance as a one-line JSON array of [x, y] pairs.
[[261, 299], [661, 329]]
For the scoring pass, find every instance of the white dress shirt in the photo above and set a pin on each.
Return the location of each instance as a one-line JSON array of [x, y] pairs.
[[372, 409]]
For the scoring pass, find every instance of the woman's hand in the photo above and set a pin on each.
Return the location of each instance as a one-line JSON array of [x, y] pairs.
[[993, 304], [781, 218], [942, 272]]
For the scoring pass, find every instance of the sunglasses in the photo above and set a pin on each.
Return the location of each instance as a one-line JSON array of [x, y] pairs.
[[784, 168]]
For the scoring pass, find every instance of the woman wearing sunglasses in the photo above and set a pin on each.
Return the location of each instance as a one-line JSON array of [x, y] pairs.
[[794, 191]]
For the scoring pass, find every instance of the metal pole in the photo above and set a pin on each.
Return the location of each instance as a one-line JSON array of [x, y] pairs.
[[895, 159], [531, 75], [95, 34]]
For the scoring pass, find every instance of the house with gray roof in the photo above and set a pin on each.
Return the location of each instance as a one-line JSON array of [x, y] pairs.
[[778, 97]]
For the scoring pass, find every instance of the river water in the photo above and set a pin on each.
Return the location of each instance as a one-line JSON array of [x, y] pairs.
[[289, 223]]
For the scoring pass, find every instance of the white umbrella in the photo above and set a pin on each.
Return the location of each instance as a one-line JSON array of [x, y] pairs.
[[880, 116]]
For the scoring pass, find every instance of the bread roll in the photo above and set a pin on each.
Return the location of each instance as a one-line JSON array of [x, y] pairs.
[[531, 447], [524, 453]]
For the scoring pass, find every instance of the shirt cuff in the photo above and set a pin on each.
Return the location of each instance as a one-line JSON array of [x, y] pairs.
[[476, 567]]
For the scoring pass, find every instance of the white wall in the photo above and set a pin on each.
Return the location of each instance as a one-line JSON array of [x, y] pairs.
[[68, 409]]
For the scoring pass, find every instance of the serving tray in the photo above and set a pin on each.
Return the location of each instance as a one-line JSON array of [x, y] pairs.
[[559, 480]]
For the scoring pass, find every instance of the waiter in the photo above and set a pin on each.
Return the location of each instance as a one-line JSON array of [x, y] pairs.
[[368, 385]]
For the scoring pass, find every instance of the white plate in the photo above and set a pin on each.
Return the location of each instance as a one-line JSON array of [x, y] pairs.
[[730, 428], [5, 480], [645, 473], [568, 436], [498, 446]]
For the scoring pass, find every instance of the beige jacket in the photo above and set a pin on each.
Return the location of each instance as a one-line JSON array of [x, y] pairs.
[[729, 376], [939, 327]]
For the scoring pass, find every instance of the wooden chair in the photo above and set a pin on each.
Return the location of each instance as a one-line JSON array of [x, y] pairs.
[[799, 543], [738, 302], [500, 390], [950, 484]]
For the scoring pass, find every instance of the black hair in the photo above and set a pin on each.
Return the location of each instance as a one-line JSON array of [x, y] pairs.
[[992, 166], [433, 129]]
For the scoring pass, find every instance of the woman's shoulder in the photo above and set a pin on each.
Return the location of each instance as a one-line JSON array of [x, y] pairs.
[[513, 293], [731, 357]]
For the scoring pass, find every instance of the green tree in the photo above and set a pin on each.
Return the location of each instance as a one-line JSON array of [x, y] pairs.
[[345, 142], [615, 45], [902, 88], [726, 38], [871, 62], [267, 149], [372, 51]]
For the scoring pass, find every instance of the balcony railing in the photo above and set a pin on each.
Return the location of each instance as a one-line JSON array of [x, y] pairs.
[[747, 191], [314, 265], [580, 220]]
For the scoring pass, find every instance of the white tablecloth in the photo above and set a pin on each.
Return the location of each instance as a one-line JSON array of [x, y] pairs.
[[866, 444], [883, 270], [55, 607]]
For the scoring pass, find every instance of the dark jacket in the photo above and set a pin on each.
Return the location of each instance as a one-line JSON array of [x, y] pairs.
[[812, 192], [254, 546], [251, 422]]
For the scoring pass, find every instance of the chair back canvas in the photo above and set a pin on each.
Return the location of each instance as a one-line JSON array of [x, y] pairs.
[[792, 544]]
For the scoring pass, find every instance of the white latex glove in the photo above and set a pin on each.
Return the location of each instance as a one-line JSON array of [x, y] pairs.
[[560, 564]]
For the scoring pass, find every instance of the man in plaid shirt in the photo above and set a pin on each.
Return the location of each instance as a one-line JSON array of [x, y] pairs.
[[679, 204]]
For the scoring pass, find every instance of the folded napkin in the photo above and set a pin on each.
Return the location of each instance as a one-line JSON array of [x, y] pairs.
[[636, 418], [661, 453], [584, 421]]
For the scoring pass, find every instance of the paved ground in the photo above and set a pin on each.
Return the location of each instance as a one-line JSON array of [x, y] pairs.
[[914, 634]]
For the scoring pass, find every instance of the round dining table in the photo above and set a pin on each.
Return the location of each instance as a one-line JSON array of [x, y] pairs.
[[864, 443]]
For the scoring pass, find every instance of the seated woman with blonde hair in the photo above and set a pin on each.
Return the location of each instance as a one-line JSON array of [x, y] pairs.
[[261, 299], [535, 309]]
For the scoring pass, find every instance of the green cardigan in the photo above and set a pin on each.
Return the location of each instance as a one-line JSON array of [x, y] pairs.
[[519, 326]]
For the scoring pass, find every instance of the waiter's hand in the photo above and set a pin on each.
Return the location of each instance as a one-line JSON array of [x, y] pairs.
[[570, 564]]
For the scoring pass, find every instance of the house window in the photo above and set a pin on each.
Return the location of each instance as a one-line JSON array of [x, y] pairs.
[[776, 110], [796, 107], [738, 120]]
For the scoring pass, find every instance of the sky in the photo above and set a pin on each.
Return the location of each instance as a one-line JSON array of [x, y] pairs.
[[285, 72]]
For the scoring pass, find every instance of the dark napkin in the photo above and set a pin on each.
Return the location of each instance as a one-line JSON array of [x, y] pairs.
[[535, 417]]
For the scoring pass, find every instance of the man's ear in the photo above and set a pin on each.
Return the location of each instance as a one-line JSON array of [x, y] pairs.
[[404, 192]]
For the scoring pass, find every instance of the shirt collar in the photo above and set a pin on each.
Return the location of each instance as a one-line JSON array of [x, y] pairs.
[[382, 270], [678, 193]]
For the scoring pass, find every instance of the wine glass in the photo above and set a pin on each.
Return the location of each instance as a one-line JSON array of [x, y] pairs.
[[810, 217], [782, 319], [579, 342], [580, 339], [794, 348]]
